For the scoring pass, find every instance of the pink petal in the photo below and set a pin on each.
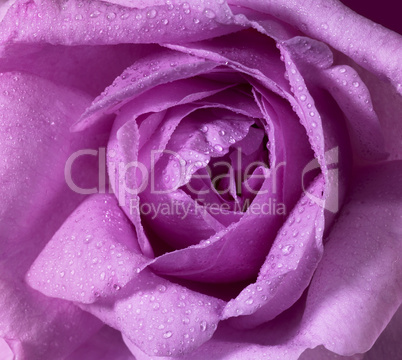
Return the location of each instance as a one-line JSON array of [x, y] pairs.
[[93, 254], [35, 201], [5, 351], [99, 22], [288, 269], [357, 288], [72, 66], [388, 345], [328, 21], [160, 317], [320, 353], [314, 61], [37, 327], [234, 50], [167, 66], [274, 340], [106, 344]]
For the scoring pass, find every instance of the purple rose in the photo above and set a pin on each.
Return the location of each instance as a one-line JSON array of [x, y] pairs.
[[203, 179]]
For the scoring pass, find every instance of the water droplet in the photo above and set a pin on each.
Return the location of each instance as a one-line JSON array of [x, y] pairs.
[[222, 132], [324, 26], [311, 113], [287, 249], [167, 334], [209, 13], [151, 13], [102, 276], [95, 14], [78, 17], [111, 16], [165, 21], [116, 287], [249, 301], [303, 97], [218, 148], [204, 128], [124, 16], [162, 288], [203, 325], [355, 84], [342, 70], [62, 274]]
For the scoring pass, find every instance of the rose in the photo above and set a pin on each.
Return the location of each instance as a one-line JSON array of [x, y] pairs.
[[47, 87]]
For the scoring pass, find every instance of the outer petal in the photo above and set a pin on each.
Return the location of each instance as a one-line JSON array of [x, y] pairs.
[[160, 317], [106, 344], [328, 21], [74, 22], [388, 345], [35, 145], [321, 353], [73, 66], [273, 340], [357, 287], [93, 254], [288, 269], [167, 66], [5, 351], [314, 61]]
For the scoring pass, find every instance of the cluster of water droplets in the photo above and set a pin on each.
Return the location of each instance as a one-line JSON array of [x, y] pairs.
[[304, 105], [300, 232], [86, 22], [166, 319]]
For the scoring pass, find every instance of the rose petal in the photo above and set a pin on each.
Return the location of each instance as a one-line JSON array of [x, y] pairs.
[[314, 61], [160, 317], [73, 66], [106, 344], [143, 76], [100, 22], [328, 22], [5, 351], [234, 50], [274, 340], [93, 254], [320, 352], [35, 205], [288, 268], [388, 345], [357, 289], [35, 325], [387, 104]]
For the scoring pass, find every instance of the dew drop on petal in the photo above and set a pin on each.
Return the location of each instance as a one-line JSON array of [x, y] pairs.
[[218, 147], [209, 13], [111, 16], [287, 249], [151, 13], [204, 128]]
